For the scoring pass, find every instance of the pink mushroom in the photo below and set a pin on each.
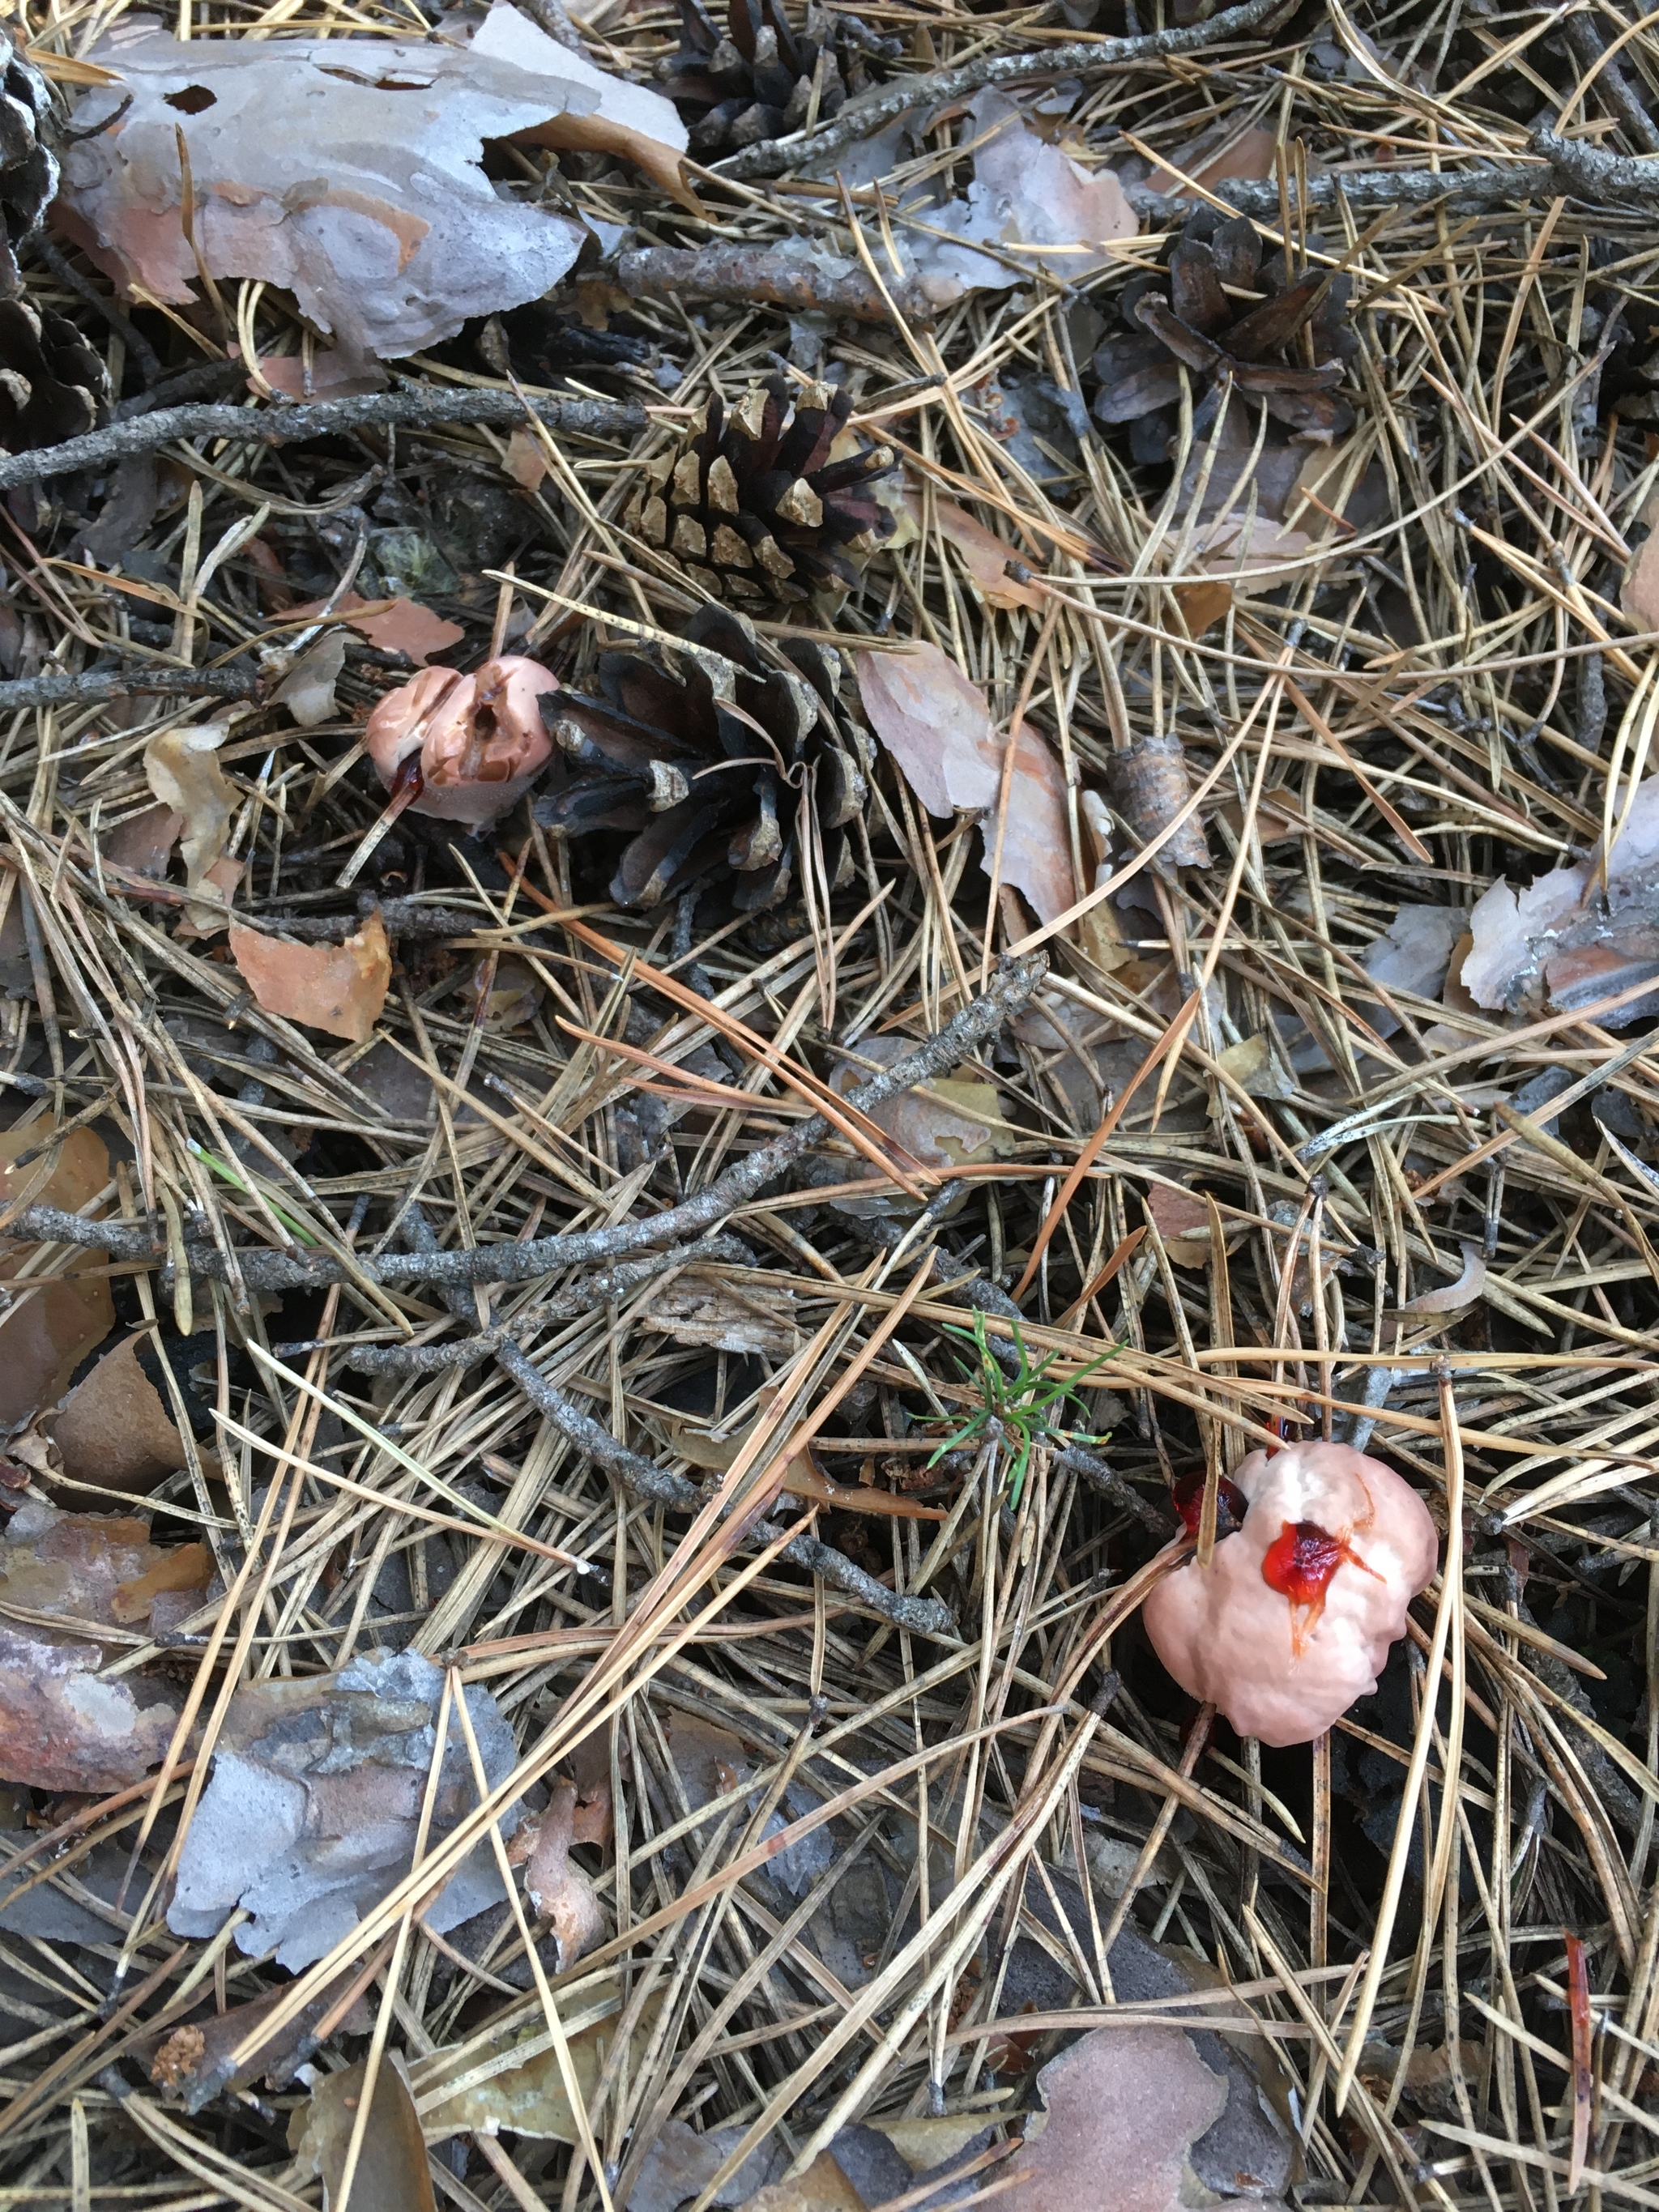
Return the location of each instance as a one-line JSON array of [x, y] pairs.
[[475, 743], [1292, 1619]]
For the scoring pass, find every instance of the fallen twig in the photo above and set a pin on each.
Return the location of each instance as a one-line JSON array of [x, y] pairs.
[[871, 110], [50, 689], [1011, 987], [407, 410], [750, 274]]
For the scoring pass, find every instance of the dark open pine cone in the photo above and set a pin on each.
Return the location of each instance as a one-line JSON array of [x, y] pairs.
[[751, 506], [51, 382], [28, 169], [1219, 310], [755, 82], [713, 761]]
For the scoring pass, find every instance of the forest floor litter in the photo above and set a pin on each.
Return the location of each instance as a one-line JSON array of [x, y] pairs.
[[829, 902]]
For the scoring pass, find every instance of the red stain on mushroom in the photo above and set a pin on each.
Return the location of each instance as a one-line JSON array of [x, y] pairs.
[[477, 742], [1299, 1563], [1292, 1619], [1186, 1495]]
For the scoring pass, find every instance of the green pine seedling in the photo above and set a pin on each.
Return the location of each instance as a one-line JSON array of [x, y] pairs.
[[1022, 1409]]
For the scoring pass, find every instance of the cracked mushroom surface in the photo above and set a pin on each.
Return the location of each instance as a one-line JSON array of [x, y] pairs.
[[1292, 1620], [473, 744]]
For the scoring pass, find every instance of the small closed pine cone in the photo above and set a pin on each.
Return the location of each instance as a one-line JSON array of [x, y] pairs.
[[712, 762], [752, 508], [755, 82], [28, 169], [1220, 311], [52, 385]]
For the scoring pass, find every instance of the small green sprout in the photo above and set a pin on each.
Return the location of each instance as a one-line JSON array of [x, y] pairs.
[[237, 1181], [1020, 1409]]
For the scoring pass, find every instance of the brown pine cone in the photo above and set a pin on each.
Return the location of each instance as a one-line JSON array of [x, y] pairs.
[[751, 506], [28, 170], [1218, 310], [713, 761], [756, 81], [52, 383]]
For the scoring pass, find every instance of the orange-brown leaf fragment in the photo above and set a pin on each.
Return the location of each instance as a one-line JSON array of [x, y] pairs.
[[187, 1568], [114, 1428], [339, 988], [392, 2174], [936, 724], [45, 1337], [561, 1893], [394, 625]]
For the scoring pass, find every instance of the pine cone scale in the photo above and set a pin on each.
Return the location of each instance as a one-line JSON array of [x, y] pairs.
[[1191, 317], [750, 759], [753, 508]]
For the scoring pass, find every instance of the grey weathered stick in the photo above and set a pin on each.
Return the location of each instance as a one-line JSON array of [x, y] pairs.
[[1011, 987], [1454, 189], [97, 685], [871, 111], [922, 1616], [1589, 174], [416, 409], [1612, 87], [752, 274], [594, 1290]]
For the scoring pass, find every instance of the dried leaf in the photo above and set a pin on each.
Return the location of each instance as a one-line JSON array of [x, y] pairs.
[[394, 625], [936, 725], [1254, 1067], [211, 914], [525, 458], [1183, 1218], [947, 1122], [45, 1335], [310, 1816], [143, 843], [308, 690], [114, 1428], [1639, 595], [823, 2188], [985, 557], [391, 2173], [561, 1893], [339, 988], [680, 2164], [711, 1761], [182, 768], [331, 376], [348, 172], [1278, 816], [1026, 196], [1202, 604], [1413, 955], [188, 1568], [530, 2098], [515, 994], [1124, 2108], [1249, 159]]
